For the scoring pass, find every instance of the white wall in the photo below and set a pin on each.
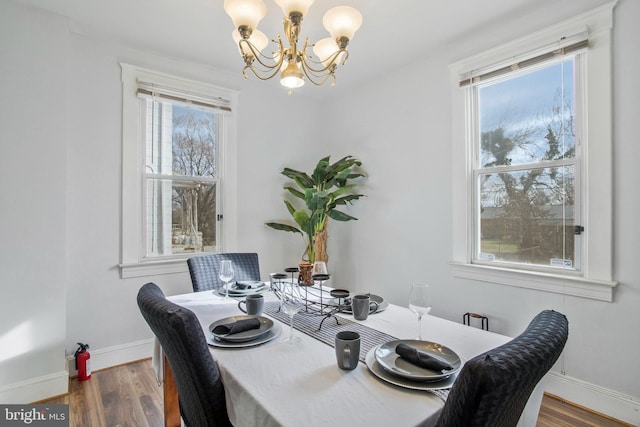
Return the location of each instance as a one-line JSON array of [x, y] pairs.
[[399, 126], [33, 114]]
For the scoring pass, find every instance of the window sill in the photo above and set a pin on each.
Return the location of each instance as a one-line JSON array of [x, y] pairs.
[[152, 268], [567, 285]]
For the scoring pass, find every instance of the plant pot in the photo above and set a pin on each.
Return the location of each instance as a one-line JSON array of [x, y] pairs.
[[305, 273]]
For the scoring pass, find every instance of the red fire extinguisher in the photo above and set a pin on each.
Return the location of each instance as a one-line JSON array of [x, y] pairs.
[[83, 364]]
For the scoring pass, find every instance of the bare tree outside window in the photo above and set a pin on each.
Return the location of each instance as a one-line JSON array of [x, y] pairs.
[[182, 179], [527, 168]]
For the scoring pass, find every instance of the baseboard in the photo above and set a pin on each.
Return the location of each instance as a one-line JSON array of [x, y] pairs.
[[35, 389], [609, 402], [117, 355]]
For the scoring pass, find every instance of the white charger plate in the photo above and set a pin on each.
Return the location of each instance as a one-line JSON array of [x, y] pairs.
[[384, 375], [388, 359]]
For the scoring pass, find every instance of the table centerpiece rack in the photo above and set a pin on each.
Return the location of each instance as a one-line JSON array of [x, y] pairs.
[[319, 300]]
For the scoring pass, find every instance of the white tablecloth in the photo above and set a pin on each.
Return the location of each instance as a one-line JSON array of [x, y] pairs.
[[278, 384]]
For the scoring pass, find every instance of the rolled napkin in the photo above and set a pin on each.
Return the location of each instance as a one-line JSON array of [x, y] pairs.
[[422, 359], [237, 326], [248, 285]]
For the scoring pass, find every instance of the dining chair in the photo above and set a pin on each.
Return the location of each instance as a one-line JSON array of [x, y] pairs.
[[204, 269], [493, 388], [200, 390]]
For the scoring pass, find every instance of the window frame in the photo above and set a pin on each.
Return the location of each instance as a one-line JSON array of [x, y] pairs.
[[133, 260], [595, 192], [477, 169], [148, 177]]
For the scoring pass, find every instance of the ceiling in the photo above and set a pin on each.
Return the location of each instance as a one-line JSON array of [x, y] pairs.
[[393, 31]]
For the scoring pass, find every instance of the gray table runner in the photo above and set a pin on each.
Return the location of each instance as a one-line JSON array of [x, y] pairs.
[[310, 324]]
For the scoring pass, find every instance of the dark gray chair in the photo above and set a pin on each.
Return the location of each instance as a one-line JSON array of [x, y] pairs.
[[200, 389], [493, 388], [204, 269]]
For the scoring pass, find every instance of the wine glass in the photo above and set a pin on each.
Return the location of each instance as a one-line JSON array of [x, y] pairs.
[[226, 274], [420, 304], [319, 267], [292, 302]]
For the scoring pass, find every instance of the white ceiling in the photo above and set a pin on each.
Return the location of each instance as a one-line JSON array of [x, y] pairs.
[[393, 31]]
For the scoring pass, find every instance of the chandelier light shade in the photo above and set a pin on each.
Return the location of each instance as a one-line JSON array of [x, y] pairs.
[[342, 21], [245, 13], [316, 63], [300, 6]]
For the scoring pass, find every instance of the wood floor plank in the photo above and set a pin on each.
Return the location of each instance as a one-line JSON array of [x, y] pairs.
[[152, 411], [129, 395], [85, 406], [121, 403], [554, 412]]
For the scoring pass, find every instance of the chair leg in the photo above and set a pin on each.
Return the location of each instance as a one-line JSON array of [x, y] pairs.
[[171, 405]]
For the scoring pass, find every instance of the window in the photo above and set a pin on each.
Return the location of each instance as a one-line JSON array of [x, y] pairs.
[[532, 161], [180, 177], [175, 132], [525, 168]]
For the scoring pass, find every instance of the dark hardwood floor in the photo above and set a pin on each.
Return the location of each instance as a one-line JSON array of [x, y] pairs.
[[129, 396]]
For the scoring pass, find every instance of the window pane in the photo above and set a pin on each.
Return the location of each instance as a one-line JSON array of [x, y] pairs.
[[527, 217], [180, 140], [528, 118], [180, 214], [181, 217]]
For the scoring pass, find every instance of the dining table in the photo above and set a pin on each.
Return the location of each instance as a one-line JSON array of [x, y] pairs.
[[275, 383]]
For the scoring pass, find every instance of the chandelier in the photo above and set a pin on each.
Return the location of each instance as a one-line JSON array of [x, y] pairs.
[[292, 62]]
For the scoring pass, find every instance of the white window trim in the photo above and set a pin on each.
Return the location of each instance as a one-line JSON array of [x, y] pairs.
[[596, 280], [132, 261]]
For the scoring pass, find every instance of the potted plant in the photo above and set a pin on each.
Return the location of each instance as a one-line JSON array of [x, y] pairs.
[[328, 187]]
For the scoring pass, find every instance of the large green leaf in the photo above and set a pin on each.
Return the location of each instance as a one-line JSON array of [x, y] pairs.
[[355, 175], [301, 218], [305, 222], [349, 198], [340, 216], [339, 179], [295, 192], [283, 227], [341, 190], [290, 207], [320, 173], [342, 164], [300, 177], [317, 200]]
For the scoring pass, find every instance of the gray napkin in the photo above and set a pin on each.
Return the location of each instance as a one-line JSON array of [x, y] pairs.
[[237, 326], [248, 285], [422, 359]]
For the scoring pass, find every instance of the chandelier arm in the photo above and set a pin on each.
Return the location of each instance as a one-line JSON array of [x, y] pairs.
[[312, 77], [256, 72], [256, 55], [346, 55], [308, 62]]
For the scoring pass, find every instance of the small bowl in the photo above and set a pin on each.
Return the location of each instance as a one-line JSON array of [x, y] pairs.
[[339, 293]]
